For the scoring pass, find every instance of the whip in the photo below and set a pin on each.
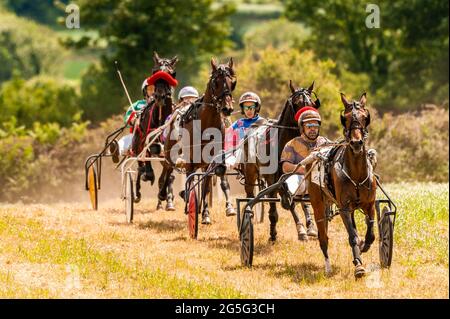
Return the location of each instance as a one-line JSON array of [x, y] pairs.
[[123, 84]]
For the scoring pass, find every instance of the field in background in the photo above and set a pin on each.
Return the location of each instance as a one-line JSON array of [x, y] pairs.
[[68, 250]]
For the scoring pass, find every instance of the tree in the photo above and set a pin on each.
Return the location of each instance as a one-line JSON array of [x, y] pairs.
[[39, 99], [404, 58], [268, 72], [27, 48], [134, 29], [43, 11]]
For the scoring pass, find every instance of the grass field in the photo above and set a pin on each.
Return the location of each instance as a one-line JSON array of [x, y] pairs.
[[67, 250]]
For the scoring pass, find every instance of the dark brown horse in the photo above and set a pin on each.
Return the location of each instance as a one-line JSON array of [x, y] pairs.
[[282, 132], [153, 116], [204, 114], [352, 182]]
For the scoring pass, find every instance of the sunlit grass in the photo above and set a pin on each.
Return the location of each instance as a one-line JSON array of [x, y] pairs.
[[154, 258]]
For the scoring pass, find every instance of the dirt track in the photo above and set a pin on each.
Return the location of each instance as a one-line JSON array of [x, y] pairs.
[[158, 241]]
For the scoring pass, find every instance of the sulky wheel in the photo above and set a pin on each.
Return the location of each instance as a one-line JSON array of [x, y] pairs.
[[386, 229], [246, 237], [193, 208], [129, 197], [92, 186]]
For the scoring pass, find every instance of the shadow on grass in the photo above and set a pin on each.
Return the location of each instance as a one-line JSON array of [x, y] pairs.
[[163, 226], [299, 273], [303, 272]]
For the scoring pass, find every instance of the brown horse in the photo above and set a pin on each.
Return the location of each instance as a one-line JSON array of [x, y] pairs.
[[153, 116], [205, 113], [285, 130], [352, 182]]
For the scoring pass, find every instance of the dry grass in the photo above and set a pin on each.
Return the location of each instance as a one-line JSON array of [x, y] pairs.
[[67, 250]]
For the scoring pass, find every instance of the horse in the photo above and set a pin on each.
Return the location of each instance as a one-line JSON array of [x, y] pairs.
[[210, 109], [153, 116], [352, 182], [286, 129]]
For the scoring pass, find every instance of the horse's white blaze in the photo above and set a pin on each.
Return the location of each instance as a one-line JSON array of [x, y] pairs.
[[327, 266]]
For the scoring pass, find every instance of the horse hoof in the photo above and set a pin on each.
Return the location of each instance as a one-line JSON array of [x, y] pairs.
[[159, 206], [301, 231], [170, 207], [206, 220], [230, 211], [360, 271], [137, 199]]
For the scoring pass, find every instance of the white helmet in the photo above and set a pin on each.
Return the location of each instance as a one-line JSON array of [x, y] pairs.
[[187, 91], [144, 87], [250, 97]]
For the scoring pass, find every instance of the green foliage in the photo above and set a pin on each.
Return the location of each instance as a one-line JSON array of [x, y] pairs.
[[406, 58], [40, 99], [27, 48], [412, 146], [43, 11], [37, 159], [278, 33], [250, 15], [133, 30], [268, 73]]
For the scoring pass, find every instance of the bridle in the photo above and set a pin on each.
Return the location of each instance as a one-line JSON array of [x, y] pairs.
[[306, 101], [356, 122], [219, 98]]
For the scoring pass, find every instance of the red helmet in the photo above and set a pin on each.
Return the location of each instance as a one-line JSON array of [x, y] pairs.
[[306, 114]]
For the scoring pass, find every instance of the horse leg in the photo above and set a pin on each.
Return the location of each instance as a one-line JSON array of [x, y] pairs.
[[301, 230], [229, 209], [348, 219], [311, 228], [170, 206], [369, 210], [137, 198], [273, 218], [205, 191], [149, 173]]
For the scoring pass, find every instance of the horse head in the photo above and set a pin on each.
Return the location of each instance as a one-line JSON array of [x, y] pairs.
[[300, 97], [355, 119], [221, 85], [165, 65]]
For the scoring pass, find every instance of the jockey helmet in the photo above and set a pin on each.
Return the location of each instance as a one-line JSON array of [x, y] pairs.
[[144, 87], [307, 114], [250, 97], [187, 91]]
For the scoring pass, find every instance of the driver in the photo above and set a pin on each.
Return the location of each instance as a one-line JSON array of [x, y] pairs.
[[297, 149]]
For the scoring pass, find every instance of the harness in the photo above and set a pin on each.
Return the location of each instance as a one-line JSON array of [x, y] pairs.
[[217, 99]]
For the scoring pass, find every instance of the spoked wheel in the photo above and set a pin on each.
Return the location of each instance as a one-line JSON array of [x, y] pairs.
[[92, 186], [192, 212], [129, 197], [246, 237], [386, 233]]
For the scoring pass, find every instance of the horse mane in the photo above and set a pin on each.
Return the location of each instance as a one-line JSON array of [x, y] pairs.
[[286, 117]]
